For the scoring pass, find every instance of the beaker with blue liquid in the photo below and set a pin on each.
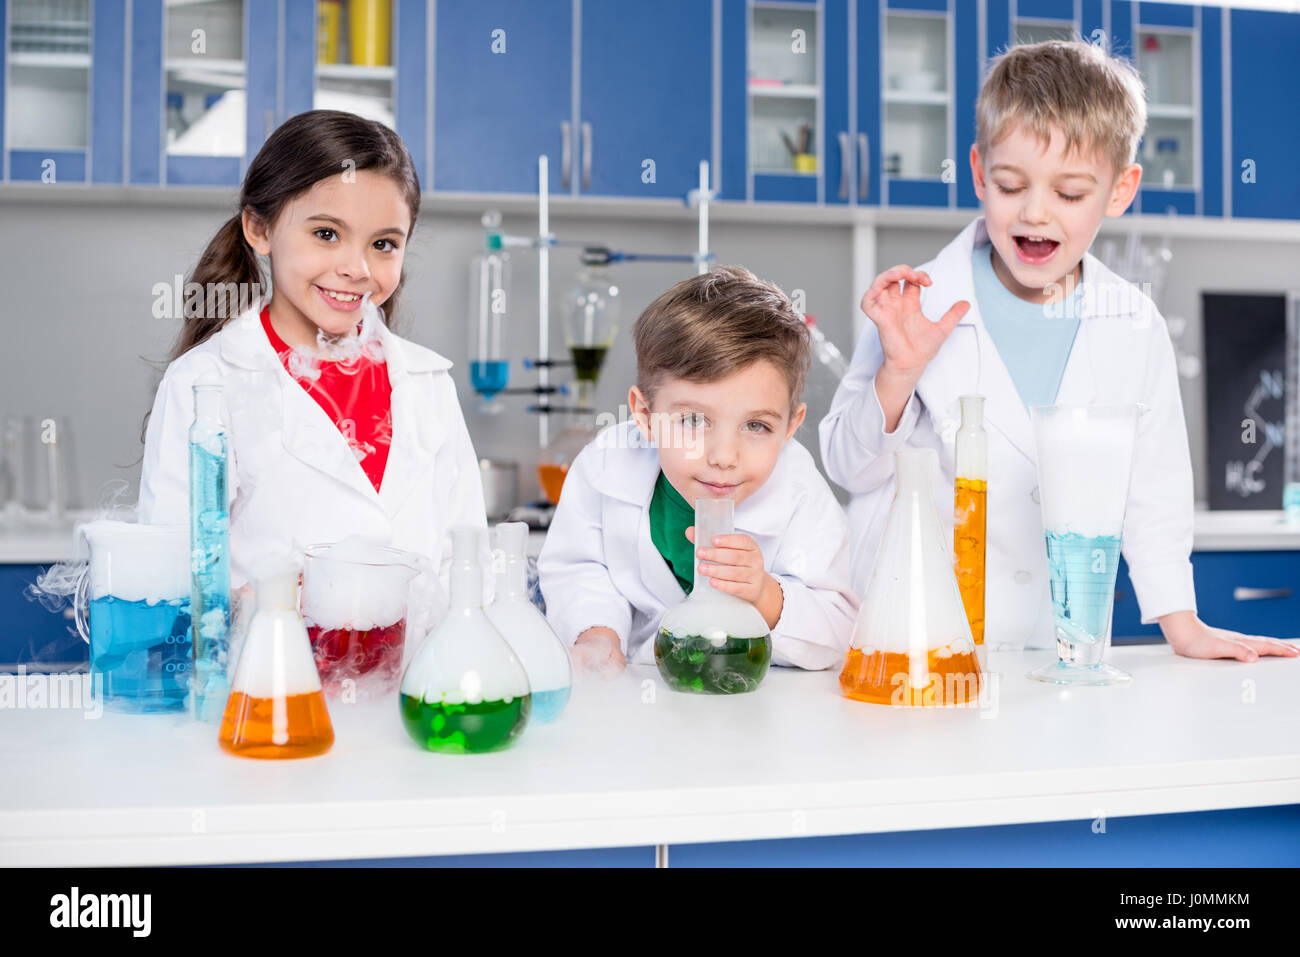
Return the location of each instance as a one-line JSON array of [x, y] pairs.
[[133, 608], [1085, 460]]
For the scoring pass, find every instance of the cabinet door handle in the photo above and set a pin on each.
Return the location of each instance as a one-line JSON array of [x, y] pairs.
[[586, 156], [844, 165], [1255, 594], [566, 153], [864, 165], [270, 123]]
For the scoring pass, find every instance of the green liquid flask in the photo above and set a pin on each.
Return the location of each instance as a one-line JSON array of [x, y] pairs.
[[713, 642], [465, 691]]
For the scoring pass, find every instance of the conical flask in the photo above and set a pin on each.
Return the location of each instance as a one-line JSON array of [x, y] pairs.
[[465, 692], [276, 707], [713, 642], [912, 643], [544, 657]]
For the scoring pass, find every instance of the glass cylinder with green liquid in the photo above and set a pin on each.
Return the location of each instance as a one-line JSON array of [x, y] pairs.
[[465, 691], [713, 642]]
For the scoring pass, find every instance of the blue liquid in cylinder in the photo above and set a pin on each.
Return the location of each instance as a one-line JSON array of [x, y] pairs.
[[547, 705], [210, 575], [1082, 572], [489, 377], [140, 653]]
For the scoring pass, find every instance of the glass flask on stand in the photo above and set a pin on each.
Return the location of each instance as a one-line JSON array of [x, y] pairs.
[[276, 707], [712, 642], [1085, 459], [544, 657], [209, 554], [489, 292], [912, 644], [970, 512], [554, 461], [591, 323], [465, 691], [354, 603]]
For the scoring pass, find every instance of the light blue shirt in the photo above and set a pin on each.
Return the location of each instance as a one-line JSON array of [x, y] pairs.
[[1033, 345]]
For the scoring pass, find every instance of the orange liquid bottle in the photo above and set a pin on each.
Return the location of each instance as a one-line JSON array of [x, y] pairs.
[[939, 677], [276, 707], [970, 512]]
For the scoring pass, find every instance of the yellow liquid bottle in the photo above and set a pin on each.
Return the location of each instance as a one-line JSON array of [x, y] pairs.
[[970, 512]]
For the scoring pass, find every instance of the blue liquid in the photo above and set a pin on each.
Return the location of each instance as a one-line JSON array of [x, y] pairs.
[[547, 705], [141, 653], [490, 377], [210, 575], [1082, 572]]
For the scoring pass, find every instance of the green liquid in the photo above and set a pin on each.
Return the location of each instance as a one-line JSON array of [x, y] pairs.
[[587, 361], [465, 728], [694, 663]]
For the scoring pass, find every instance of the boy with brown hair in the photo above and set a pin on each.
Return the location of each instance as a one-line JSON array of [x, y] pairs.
[[721, 363]]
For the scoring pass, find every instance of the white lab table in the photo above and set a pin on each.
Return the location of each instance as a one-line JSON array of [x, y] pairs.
[[631, 763]]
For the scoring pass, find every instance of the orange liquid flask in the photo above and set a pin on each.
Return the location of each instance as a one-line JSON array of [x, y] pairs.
[[276, 707], [970, 511], [912, 644]]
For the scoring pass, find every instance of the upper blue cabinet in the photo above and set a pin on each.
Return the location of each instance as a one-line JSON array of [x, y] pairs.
[[1261, 167]]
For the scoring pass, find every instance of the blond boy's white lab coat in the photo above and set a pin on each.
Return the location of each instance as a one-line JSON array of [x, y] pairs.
[[293, 479], [599, 565], [1121, 354]]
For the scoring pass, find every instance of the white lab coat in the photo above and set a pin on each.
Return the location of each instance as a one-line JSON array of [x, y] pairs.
[[1121, 354], [599, 565], [294, 481]]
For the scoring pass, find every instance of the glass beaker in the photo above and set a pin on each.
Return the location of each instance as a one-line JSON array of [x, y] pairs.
[[276, 707], [544, 657], [135, 593], [912, 644], [465, 691], [554, 460], [209, 554], [1085, 458], [354, 604], [712, 642]]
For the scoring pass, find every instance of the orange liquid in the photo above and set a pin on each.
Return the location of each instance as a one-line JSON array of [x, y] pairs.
[[970, 525], [885, 677], [552, 479], [249, 724]]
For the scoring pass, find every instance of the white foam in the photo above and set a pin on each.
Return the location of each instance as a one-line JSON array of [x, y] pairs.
[[135, 562], [712, 614], [465, 660], [357, 583], [276, 658], [1084, 464]]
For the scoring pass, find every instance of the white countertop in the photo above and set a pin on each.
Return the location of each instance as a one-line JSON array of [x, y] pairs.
[[632, 763]]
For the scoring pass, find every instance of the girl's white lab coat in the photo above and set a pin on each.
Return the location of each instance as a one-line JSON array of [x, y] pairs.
[[599, 565], [1121, 354], [293, 479]]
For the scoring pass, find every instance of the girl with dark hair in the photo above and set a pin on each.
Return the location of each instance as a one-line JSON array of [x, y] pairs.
[[337, 426]]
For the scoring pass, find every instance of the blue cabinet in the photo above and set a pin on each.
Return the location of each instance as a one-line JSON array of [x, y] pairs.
[[30, 634], [1265, 81]]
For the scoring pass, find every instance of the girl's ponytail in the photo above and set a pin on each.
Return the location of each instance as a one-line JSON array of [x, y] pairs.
[[227, 280]]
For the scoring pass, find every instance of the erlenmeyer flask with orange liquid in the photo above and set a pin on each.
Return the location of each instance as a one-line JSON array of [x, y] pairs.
[[970, 512], [276, 707], [912, 644]]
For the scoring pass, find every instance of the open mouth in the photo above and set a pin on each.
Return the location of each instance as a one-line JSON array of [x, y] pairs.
[[1035, 250], [340, 300]]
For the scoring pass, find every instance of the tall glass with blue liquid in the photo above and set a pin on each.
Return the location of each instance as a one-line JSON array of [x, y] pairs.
[[209, 555], [1085, 460]]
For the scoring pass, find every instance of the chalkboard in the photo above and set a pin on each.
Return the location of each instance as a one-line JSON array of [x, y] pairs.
[[1245, 356]]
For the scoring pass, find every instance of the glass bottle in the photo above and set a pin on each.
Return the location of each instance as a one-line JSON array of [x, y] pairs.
[[544, 657], [209, 555], [464, 691], [911, 643], [489, 292], [712, 642], [276, 707], [970, 511]]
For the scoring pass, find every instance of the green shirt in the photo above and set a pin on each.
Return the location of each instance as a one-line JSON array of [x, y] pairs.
[[670, 516]]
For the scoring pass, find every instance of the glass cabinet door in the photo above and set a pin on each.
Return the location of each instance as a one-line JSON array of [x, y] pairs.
[[354, 59], [205, 91], [917, 96], [47, 92]]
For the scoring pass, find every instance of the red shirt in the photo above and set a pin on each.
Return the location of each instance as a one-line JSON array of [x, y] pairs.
[[354, 393]]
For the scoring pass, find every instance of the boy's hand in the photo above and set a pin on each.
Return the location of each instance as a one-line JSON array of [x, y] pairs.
[[597, 649], [908, 339], [1193, 638], [734, 565]]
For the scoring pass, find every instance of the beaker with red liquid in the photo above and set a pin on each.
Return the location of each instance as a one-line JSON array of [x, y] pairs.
[[354, 602]]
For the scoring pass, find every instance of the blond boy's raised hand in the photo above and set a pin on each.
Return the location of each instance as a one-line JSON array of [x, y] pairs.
[[907, 338]]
